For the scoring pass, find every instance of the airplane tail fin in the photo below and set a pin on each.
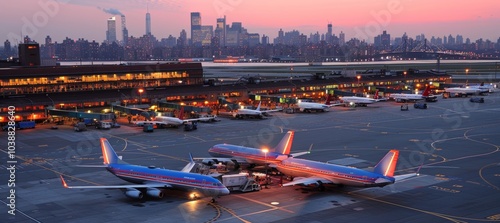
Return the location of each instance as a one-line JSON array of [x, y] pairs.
[[108, 153], [285, 144], [181, 113], [328, 98], [258, 107], [387, 165], [376, 95], [427, 91], [190, 165]]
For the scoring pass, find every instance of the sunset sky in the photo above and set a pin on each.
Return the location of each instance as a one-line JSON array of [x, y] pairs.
[[357, 18]]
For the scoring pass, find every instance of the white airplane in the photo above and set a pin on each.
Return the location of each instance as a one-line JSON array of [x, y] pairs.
[[358, 101], [462, 91], [313, 106], [402, 97], [167, 121], [252, 113], [484, 88]]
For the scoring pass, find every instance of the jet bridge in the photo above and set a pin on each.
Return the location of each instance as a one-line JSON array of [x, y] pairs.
[[77, 114]]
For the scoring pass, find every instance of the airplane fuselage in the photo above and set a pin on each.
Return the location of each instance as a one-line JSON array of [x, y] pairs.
[[250, 155], [358, 100], [462, 90], [311, 106], [337, 174], [241, 113]]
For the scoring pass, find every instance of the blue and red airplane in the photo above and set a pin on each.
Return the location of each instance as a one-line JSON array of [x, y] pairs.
[[154, 181], [243, 155], [307, 172]]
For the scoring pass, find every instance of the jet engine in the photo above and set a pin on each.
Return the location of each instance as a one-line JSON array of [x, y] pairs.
[[153, 192], [133, 193]]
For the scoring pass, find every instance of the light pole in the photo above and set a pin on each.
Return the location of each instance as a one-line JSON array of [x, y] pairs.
[[467, 77], [53, 104], [359, 78], [265, 150], [32, 108], [496, 67], [140, 95]]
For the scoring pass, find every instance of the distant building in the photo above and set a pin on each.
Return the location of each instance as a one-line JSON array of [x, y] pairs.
[[253, 39], [148, 23], [111, 32], [342, 38], [220, 31], [265, 40], [29, 54], [196, 33], [207, 33], [7, 48], [124, 30]]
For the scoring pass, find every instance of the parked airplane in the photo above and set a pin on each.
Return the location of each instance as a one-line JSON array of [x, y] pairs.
[[305, 106], [402, 97], [307, 172], [357, 101], [167, 121], [242, 155], [484, 88], [462, 91], [252, 113], [154, 180]]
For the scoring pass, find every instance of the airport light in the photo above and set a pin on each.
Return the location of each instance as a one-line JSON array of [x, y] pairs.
[[140, 95], [265, 150], [467, 77]]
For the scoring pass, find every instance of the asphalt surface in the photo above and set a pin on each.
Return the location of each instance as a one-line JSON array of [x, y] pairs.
[[456, 141]]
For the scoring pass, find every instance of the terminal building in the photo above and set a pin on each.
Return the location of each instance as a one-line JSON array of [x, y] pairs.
[[33, 89], [96, 87]]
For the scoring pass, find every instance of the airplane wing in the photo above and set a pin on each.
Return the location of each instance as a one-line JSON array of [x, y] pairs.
[[307, 181], [146, 185], [405, 176]]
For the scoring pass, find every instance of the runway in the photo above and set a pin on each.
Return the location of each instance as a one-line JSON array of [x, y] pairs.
[[455, 141]]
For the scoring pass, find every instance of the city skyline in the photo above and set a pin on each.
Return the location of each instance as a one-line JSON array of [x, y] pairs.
[[360, 19]]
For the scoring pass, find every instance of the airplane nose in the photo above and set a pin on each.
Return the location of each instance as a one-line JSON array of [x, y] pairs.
[[224, 191]]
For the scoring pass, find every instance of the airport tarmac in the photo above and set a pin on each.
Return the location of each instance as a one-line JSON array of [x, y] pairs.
[[457, 141]]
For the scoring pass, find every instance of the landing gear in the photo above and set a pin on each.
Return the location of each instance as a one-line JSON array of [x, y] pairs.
[[321, 187], [213, 200]]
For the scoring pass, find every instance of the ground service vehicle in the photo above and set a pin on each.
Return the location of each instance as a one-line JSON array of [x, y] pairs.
[[240, 182], [80, 126], [477, 100], [420, 105]]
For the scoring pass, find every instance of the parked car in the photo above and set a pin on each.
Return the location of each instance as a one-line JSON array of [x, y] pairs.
[[420, 105], [80, 126], [103, 125], [477, 100]]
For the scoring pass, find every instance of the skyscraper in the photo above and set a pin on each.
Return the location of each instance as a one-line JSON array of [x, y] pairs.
[[148, 23], [111, 32], [206, 33], [342, 38], [7, 48], [220, 31], [196, 37], [329, 34], [124, 31]]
